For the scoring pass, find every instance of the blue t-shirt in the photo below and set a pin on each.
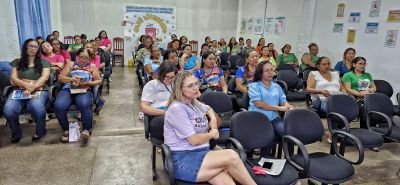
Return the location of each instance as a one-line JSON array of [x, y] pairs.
[[154, 66], [240, 74], [212, 78], [191, 63], [273, 95], [341, 68]]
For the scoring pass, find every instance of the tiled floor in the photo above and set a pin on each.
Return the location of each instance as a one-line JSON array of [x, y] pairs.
[[118, 153]]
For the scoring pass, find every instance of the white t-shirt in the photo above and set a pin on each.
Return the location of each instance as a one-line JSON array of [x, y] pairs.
[[321, 83], [156, 93]]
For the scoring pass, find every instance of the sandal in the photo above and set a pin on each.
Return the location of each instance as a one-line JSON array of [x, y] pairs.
[[85, 135], [65, 137]]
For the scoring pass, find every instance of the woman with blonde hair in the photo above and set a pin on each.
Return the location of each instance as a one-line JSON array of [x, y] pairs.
[[187, 132]]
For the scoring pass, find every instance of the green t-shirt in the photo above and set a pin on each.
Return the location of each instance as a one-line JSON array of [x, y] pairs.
[[314, 60], [75, 46], [289, 59], [358, 83], [30, 73]]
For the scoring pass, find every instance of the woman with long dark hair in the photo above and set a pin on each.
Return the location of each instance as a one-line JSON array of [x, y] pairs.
[[29, 75], [345, 65], [105, 43], [210, 75]]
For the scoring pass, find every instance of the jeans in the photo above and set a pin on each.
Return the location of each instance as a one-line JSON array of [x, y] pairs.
[[279, 130], [321, 104], [83, 103], [35, 106]]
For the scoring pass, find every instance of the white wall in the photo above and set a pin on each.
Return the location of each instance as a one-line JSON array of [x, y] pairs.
[[383, 63], [195, 19], [9, 47]]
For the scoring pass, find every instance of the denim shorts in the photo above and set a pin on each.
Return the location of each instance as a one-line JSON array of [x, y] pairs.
[[187, 163]]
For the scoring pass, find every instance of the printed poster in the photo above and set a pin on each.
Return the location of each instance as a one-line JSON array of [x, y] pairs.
[[372, 27], [280, 25], [157, 22], [351, 36], [375, 8], [269, 25], [243, 26], [355, 17], [338, 28], [340, 10], [258, 25], [391, 38], [250, 25], [394, 16]]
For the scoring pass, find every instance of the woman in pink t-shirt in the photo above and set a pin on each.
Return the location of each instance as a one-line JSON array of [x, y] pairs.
[[58, 51], [57, 61], [94, 59], [105, 43]]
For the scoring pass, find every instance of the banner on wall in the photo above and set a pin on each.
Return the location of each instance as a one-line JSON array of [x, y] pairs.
[[340, 10], [375, 8], [355, 17], [269, 25], [394, 16], [372, 27], [275, 25], [351, 36], [258, 25], [391, 38], [338, 28], [249, 25], [157, 22], [243, 26]]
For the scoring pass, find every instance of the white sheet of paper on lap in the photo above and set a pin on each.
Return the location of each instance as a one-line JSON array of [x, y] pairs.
[[277, 165]]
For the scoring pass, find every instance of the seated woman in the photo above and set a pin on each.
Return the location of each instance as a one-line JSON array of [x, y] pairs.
[[171, 55], [57, 61], [80, 75], [156, 92], [105, 43], [29, 74], [175, 44], [357, 82], [286, 57], [265, 56], [210, 75], [187, 133], [244, 75], [233, 46], [94, 59], [146, 50], [248, 46], [344, 66], [188, 62], [324, 83], [268, 98], [272, 52], [77, 45], [184, 40], [57, 49], [309, 59], [260, 45], [152, 64]]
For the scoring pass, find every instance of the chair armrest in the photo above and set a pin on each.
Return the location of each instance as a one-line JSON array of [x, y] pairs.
[[309, 101], [303, 150], [6, 91], [284, 86], [388, 120], [169, 163], [146, 126], [360, 147], [243, 110], [53, 91], [238, 145], [344, 120]]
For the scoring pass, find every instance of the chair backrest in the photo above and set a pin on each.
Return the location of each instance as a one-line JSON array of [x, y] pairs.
[[241, 62], [220, 102], [252, 129], [242, 55], [289, 77], [303, 124], [246, 101], [224, 58], [73, 55], [232, 60], [384, 87], [195, 46], [285, 67], [118, 43], [156, 127], [344, 105], [305, 74], [232, 85], [378, 102], [68, 39]]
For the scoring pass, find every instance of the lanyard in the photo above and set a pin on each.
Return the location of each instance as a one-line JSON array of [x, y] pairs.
[[167, 88]]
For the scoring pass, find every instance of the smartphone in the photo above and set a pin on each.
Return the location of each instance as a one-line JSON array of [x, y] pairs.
[[267, 165]]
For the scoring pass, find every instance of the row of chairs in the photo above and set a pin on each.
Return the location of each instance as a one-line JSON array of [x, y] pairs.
[[303, 127]]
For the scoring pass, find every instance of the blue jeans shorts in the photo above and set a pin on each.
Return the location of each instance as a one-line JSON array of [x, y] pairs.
[[187, 163]]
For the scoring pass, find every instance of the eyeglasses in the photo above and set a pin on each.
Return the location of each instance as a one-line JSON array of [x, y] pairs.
[[84, 58], [169, 77], [192, 85], [33, 47]]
